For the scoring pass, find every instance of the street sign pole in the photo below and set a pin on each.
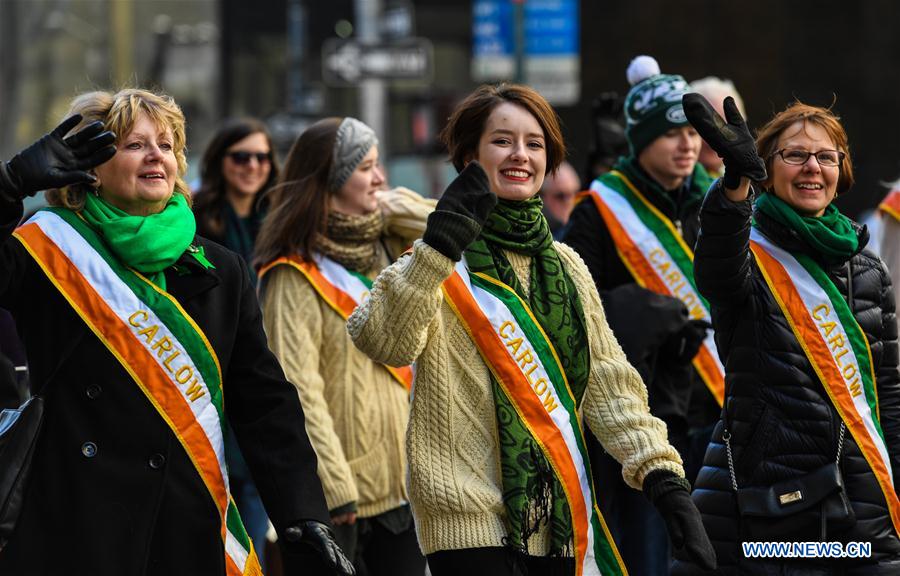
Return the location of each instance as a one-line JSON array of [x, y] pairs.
[[372, 92]]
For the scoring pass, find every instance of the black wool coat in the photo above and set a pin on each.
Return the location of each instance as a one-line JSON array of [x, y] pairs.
[[112, 492], [782, 423]]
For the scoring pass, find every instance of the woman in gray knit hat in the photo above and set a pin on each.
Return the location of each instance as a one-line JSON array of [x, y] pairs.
[[330, 229]]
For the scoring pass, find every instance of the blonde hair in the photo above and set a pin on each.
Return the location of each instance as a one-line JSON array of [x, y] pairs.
[[119, 113]]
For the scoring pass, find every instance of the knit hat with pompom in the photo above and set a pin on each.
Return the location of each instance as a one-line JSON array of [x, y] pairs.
[[653, 105]]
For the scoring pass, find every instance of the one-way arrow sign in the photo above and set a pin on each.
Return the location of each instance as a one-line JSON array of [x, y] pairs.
[[349, 61]]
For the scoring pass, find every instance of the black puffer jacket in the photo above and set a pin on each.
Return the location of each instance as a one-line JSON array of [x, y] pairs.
[[782, 423]]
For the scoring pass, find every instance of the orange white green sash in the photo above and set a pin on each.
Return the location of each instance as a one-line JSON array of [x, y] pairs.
[[658, 259], [891, 204], [341, 289], [835, 346], [524, 362], [157, 343]]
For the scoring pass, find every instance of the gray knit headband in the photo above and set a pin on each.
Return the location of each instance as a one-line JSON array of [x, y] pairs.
[[353, 141]]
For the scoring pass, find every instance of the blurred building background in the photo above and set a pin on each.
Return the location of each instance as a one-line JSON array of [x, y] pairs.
[[293, 61]]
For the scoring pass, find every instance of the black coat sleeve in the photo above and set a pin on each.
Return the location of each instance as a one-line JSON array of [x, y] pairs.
[[887, 380], [268, 421], [722, 258]]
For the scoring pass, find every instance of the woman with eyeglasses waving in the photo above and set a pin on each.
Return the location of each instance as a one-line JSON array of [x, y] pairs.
[[331, 228], [808, 446]]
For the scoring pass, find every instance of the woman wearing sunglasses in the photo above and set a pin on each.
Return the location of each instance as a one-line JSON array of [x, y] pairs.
[[330, 229], [808, 446], [239, 165]]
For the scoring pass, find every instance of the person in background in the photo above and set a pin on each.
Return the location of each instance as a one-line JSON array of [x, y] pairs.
[[805, 319], [238, 166], [634, 229], [889, 240], [512, 350], [144, 340], [330, 230], [558, 195], [715, 90]]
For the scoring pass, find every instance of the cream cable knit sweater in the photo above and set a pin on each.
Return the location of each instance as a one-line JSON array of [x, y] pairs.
[[455, 486], [356, 412]]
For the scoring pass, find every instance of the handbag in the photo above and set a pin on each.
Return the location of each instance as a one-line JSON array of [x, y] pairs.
[[19, 429], [802, 509]]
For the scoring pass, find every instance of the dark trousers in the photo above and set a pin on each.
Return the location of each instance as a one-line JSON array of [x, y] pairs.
[[383, 545], [496, 562], [637, 528]]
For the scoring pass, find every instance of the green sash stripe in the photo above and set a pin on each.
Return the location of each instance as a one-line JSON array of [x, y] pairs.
[[603, 549], [662, 232], [858, 342], [234, 525], [364, 279], [165, 309]]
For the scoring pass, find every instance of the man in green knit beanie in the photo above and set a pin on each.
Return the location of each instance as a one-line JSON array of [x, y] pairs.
[[633, 230]]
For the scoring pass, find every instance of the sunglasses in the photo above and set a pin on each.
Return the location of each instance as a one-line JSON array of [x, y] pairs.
[[242, 158]]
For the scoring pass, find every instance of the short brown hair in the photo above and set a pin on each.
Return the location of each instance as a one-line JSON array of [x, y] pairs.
[[767, 138], [119, 112], [463, 131], [299, 202]]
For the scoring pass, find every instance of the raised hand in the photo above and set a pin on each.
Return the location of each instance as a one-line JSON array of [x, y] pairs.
[[54, 161], [461, 212], [731, 140]]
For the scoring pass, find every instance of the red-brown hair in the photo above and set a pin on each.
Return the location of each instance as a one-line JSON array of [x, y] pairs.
[[767, 138], [463, 131]]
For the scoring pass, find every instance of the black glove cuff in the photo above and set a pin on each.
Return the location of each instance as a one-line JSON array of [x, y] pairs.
[[450, 233], [661, 482], [731, 179]]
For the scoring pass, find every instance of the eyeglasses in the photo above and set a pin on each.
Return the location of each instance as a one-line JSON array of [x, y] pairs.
[[241, 158], [797, 157]]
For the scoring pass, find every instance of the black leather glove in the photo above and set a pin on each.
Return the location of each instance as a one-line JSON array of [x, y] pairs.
[[683, 345], [731, 140], [54, 162], [671, 495], [461, 212], [319, 537]]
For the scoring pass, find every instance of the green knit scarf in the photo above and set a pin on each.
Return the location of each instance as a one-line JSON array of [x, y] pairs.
[[531, 493], [831, 236], [149, 244]]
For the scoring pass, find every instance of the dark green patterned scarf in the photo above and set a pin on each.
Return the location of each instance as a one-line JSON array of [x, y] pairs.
[[531, 493]]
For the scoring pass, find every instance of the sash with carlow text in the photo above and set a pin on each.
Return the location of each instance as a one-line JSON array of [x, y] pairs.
[[341, 289], [658, 259], [835, 346], [157, 343], [524, 362], [891, 204]]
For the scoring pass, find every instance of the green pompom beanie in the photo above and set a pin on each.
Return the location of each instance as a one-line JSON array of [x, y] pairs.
[[653, 105]]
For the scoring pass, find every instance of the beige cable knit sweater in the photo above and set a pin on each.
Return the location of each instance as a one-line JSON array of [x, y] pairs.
[[455, 485], [356, 412]]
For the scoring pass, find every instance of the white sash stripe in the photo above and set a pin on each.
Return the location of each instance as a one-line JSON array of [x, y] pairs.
[[342, 279], [814, 296], [236, 551], [124, 302], [658, 257], [498, 314]]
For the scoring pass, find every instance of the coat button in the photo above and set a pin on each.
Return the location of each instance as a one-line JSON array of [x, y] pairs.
[[93, 391], [156, 461], [89, 449]]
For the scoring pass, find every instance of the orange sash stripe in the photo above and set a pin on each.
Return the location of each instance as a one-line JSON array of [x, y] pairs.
[[125, 346], [531, 411], [891, 204], [339, 300], [815, 347]]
